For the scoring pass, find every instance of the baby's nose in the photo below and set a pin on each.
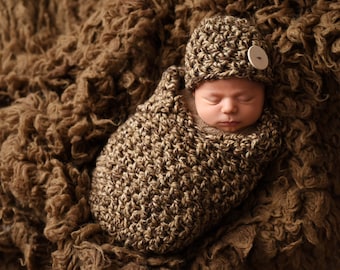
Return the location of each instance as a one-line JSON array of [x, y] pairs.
[[228, 106]]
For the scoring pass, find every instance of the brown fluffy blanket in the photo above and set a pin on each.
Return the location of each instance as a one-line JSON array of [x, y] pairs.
[[72, 71]]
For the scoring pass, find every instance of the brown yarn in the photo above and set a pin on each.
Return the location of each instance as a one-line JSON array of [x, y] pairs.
[[161, 181], [217, 49], [81, 68]]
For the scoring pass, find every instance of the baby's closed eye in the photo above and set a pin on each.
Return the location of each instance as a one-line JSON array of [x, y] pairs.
[[245, 98], [212, 99]]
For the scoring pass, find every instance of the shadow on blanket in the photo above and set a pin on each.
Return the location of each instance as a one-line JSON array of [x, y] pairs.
[[70, 73]]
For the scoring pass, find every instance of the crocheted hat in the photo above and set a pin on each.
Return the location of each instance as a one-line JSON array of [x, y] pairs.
[[226, 46]]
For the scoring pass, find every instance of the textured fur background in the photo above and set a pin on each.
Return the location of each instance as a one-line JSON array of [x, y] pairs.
[[72, 71]]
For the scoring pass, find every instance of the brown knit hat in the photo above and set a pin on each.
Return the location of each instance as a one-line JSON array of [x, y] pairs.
[[226, 46]]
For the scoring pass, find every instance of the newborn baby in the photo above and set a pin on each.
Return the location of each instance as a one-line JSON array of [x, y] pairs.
[[191, 152]]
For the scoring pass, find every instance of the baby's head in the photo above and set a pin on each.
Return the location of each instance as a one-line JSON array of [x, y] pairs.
[[227, 69]]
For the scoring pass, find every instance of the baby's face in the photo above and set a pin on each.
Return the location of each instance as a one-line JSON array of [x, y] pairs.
[[231, 104]]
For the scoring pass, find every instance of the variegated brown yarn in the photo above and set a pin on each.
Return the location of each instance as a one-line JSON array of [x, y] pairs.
[[217, 49], [71, 71], [160, 181]]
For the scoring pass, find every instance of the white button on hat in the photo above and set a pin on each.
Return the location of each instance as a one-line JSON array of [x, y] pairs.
[[257, 57]]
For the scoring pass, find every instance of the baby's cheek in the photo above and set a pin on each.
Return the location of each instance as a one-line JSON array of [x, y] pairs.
[[211, 114]]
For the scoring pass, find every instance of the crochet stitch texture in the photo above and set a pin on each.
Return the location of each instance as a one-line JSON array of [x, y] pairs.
[[160, 181], [217, 49]]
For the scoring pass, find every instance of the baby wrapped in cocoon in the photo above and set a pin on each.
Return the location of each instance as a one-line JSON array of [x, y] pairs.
[[195, 149]]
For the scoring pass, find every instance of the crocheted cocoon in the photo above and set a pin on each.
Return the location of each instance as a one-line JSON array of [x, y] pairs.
[[161, 181]]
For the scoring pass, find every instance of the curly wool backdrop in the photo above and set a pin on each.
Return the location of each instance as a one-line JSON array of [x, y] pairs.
[[71, 72]]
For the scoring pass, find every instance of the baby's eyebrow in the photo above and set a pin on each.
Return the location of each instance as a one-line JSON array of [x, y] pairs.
[[212, 96]]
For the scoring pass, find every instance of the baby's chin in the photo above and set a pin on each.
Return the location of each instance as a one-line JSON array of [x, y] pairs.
[[229, 130], [235, 128], [229, 127]]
